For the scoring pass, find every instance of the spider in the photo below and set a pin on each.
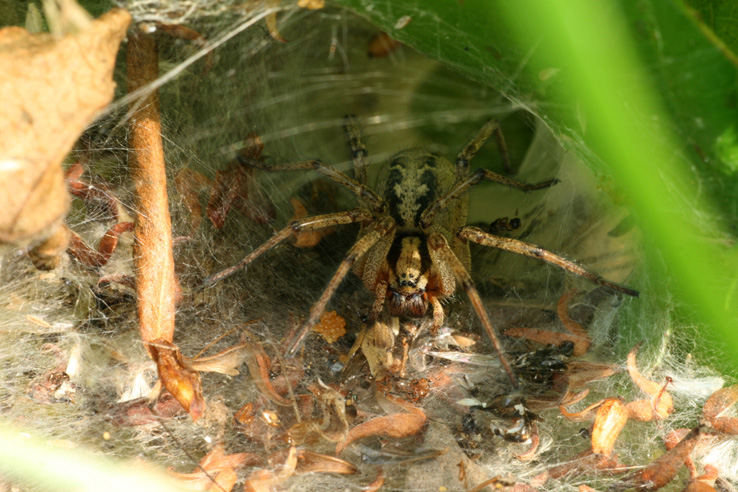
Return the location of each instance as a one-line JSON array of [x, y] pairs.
[[413, 245]]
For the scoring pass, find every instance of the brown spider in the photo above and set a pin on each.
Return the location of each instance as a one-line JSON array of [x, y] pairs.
[[412, 248]]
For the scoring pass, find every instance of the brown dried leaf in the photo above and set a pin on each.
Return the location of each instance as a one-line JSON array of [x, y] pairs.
[[579, 372], [38, 127], [258, 363], [661, 404], [306, 239], [224, 362], [182, 382], [580, 416], [396, 425], [718, 402], [105, 249], [377, 483], [331, 326], [46, 256], [264, 480], [140, 412], [546, 337], [217, 471], [309, 462], [610, 419], [662, 470], [311, 4]]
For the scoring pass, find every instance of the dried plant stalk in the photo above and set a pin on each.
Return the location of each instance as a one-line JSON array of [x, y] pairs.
[[156, 285]]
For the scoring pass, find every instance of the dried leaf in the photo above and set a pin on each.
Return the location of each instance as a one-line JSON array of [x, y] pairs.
[[311, 4], [310, 462], [105, 249], [306, 238], [258, 363], [396, 425], [661, 404], [224, 362], [182, 382], [217, 470], [331, 326], [38, 128], [662, 470], [264, 480], [718, 402], [610, 419], [46, 256]]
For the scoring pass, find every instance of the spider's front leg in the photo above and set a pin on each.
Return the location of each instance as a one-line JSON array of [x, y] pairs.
[[445, 259], [476, 235], [303, 225]]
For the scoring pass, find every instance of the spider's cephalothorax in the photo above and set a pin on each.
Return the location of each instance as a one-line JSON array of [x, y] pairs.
[[412, 249]]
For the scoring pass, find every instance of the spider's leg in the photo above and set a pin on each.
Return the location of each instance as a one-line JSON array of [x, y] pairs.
[[374, 233], [438, 247], [307, 224], [358, 150], [461, 187], [478, 236], [360, 190], [476, 143]]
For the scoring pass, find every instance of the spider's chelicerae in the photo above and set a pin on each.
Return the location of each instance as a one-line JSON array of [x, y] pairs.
[[412, 249]]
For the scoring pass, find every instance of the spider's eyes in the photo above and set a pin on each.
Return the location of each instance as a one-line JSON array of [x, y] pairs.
[[412, 305]]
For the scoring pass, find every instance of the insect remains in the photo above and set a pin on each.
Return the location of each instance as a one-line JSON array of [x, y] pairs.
[[412, 250]]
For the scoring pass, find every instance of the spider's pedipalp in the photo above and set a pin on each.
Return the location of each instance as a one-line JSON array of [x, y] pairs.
[[476, 235]]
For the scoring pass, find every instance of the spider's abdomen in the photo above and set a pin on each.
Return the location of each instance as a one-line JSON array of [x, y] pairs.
[[413, 179]]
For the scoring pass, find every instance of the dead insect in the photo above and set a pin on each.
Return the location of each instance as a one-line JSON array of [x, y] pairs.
[[413, 247]]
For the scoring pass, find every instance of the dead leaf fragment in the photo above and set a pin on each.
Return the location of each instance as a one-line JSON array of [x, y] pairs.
[[217, 470], [397, 425], [610, 419], [181, 381], [50, 90], [716, 404], [331, 326], [662, 470], [265, 480]]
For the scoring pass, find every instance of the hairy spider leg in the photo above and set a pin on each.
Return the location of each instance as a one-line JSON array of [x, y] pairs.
[[461, 187], [438, 247], [307, 224], [476, 143], [362, 191], [476, 235], [358, 150], [374, 233]]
